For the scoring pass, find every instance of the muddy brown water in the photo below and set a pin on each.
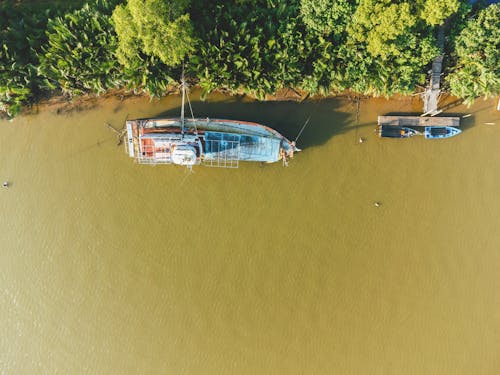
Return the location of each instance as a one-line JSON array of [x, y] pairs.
[[112, 267]]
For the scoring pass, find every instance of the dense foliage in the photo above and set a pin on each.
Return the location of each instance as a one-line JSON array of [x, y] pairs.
[[255, 46], [155, 27], [326, 16], [390, 46], [377, 47], [22, 33], [154, 36], [79, 56], [435, 12], [477, 72]]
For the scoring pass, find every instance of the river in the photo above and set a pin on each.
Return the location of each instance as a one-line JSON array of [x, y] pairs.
[[108, 266]]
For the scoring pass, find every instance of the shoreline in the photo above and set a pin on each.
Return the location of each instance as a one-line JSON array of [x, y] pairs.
[[62, 104]]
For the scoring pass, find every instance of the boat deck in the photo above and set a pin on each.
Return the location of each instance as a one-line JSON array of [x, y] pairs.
[[153, 145], [404, 121]]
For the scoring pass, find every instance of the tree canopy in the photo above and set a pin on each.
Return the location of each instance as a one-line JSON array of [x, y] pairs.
[[79, 56], [255, 46], [153, 27], [154, 37], [376, 47], [22, 32], [326, 16], [477, 72], [382, 25], [388, 48], [435, 12]]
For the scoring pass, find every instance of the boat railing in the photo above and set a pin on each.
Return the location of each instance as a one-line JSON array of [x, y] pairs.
[[222, 154]]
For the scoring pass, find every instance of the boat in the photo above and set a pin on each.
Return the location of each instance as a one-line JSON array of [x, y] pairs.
[[204, 141], [391, 131], [437, 132]]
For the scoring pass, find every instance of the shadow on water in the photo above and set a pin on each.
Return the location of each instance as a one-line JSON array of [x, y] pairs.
[[465, 122], [80, 105], [286, 117]]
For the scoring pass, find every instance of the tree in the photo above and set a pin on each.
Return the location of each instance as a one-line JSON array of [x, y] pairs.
[[254, 46], [79, 55], [326, 16], [435, 12], [153, 27], [22, 35], [154, 37], [382, 25], [477, 72], [388, 48]]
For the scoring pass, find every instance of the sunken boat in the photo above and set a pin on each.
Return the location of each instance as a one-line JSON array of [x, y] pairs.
[[204, 141]]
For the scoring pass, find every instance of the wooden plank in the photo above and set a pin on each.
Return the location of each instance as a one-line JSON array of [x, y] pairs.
[[418, 121], [431, 95], [130, 140]]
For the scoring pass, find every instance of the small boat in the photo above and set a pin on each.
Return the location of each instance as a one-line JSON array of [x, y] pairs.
[[204, 141], [437, 132], [390, 131]]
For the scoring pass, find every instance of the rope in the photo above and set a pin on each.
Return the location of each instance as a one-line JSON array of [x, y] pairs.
[[301, 130], [192, 114]]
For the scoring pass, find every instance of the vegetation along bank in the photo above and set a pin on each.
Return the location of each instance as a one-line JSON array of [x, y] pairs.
[[372, 47]]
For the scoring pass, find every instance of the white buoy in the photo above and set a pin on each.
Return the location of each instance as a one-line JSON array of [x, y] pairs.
[[377, 204], [5, 184]]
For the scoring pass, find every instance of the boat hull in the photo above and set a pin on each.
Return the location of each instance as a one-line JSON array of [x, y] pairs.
[[440, 132], [389, 131], [217, 142]]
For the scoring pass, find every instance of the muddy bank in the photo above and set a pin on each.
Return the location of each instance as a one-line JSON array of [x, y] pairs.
[[62, 104]]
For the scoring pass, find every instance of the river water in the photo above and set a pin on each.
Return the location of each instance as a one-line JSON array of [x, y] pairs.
[[112, 267]]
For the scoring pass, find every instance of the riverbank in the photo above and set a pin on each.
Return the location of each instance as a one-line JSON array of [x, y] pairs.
[[62, 104]]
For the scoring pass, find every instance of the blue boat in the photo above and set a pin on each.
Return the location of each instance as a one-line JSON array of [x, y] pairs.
[[390, 131], [210, 142], [438, 132]]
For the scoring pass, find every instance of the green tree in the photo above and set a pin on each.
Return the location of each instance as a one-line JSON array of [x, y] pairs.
[[382, 25], [128, 51], [388, 48], [80, 53], [326, 32], [326, 16], [477, 72], [254, 46], [435, 12], [22, 35], [156, 28]]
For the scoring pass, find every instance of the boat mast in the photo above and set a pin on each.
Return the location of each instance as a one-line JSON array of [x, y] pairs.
[[183, 86]]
